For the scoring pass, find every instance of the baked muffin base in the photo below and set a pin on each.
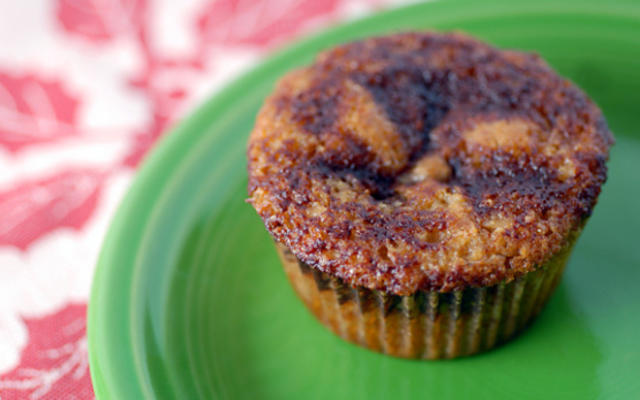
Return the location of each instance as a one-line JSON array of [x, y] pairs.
[[426, 325]]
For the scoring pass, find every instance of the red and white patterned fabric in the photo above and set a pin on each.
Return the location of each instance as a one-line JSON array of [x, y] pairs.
[[86, 88]]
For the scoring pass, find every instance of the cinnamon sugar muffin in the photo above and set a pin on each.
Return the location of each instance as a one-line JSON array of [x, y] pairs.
[[424, 190]]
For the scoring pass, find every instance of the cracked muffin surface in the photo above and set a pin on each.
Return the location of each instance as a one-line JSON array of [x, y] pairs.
[[425, 161]]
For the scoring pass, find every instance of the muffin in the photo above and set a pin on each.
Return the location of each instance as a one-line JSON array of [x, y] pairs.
[[424, 190]]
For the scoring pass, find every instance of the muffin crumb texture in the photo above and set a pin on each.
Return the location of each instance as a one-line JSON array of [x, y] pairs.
[[425, 161]]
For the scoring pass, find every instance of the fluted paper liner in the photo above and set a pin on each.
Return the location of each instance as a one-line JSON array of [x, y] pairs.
[[427, 325]]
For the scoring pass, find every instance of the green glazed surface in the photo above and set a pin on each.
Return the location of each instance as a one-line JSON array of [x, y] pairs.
[[189, 300]]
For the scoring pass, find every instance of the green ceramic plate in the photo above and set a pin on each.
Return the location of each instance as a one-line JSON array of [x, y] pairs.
[[189, 300]]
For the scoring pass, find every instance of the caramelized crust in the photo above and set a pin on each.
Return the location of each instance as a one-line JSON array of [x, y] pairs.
[[426, 161]]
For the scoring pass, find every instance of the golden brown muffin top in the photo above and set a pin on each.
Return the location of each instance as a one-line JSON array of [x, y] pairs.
[[425, 161]]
